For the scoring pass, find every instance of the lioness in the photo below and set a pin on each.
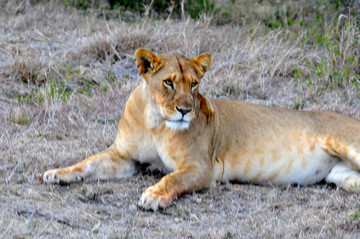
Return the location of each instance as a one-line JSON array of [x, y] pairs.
[[196, 140]]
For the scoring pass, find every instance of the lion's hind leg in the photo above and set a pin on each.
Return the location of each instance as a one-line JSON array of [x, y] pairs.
[[345, 177], [108, 164], [346, 173]]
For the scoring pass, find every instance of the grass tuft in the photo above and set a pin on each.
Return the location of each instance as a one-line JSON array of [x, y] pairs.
[[19, 116], [29, 70]]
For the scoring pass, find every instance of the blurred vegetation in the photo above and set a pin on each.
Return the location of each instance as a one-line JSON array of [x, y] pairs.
[[272, 13], [333, 26], [328, 24], [159, 8]]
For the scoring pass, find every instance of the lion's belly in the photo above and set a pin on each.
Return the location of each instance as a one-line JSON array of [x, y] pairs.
[[152, 152], [147, 152], [300, 164]]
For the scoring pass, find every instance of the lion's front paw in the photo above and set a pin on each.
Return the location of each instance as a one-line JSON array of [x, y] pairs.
[[150, 199], [61, 176], [51, 176]]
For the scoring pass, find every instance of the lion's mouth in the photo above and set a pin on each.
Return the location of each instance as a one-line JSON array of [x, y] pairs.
[[177, 124], [179, 121]]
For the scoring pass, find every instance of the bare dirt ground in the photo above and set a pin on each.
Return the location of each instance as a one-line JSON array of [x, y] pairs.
[[65, 76]]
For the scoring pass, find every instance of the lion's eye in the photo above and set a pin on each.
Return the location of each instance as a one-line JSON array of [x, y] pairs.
[[193, 84], [169, 83]]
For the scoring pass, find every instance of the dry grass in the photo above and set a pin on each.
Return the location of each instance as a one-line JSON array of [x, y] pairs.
[[65, 77]]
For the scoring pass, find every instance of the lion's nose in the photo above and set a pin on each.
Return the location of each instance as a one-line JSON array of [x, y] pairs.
[[183, 111]]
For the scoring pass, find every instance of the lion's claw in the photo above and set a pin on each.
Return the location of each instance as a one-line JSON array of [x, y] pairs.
[[152, 200]]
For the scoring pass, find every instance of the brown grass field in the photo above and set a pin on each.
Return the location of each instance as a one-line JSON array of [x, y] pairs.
[[65, 75]]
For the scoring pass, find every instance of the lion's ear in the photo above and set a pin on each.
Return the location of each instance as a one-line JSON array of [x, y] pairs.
[[202, 64], [147, 62]]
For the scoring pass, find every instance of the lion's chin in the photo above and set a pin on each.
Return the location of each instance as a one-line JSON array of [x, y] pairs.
[[177, 124]]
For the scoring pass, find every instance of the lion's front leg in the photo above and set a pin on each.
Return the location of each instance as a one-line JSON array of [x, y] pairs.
[[108, 164], [185, 179]]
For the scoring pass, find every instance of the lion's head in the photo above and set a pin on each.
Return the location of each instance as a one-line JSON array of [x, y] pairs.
[[172, 84]]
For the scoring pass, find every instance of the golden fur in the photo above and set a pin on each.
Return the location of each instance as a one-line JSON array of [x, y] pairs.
[[168, 123]]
